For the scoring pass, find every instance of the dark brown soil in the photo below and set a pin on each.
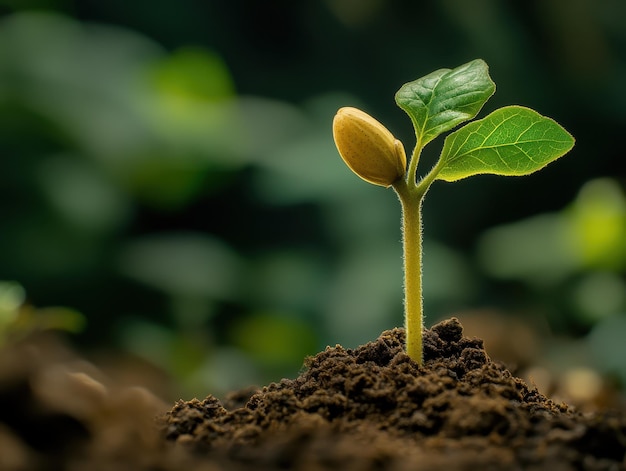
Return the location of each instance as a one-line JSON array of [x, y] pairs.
[[371, 408]]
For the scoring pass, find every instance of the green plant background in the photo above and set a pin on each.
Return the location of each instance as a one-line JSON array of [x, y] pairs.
[[167, 169]]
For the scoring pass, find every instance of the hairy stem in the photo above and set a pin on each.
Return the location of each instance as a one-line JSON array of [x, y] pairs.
[[412, 251], [411, 194]]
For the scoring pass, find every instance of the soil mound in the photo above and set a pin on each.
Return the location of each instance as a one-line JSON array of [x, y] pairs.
[[374, 408]]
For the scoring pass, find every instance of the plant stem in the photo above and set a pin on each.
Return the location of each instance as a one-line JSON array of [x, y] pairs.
[[411, 194], [412, 251]]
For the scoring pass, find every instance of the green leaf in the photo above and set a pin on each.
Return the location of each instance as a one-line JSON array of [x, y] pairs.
[[510, 141], [445, 98]]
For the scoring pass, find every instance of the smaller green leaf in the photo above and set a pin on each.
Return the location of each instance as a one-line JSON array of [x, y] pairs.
[[445, 98], [510, 141]]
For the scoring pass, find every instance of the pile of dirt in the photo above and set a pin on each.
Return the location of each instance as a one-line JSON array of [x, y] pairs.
[[369, 408], [374, 408]]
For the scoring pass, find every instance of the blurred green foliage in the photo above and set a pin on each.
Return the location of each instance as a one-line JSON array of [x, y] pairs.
[[579, 253], [170, 173], [19, 320]]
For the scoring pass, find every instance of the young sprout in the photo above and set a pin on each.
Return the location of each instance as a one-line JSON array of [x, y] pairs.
[[512, 141]]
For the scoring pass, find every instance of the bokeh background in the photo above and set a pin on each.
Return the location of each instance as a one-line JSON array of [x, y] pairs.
[[168, 179]]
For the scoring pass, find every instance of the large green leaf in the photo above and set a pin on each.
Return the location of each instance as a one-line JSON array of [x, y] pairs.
[[510, 141], [445, 98]]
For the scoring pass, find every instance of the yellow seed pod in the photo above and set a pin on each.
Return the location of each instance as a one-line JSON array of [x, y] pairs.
[[368, 148]]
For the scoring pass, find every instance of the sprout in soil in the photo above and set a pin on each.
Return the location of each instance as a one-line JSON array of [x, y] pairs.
[[512, 140]]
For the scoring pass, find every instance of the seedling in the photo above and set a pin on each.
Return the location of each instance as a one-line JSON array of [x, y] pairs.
[[511, 141]]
